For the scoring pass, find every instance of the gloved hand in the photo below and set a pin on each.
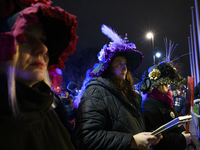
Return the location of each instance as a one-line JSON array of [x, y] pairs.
[[144, 140], [188, 137]]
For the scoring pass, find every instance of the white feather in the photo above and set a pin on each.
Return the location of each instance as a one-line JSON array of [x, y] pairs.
[[111, 34]]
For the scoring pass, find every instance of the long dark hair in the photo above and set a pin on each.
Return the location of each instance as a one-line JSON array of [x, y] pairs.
[[126, 86]]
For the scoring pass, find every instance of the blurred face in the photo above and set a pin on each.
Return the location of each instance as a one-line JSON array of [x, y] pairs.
[[164, 88], [65, 94], [178, 91], [119, 67], [33, 57]]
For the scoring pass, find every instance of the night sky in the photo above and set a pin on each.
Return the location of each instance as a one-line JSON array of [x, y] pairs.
[[165, 18]]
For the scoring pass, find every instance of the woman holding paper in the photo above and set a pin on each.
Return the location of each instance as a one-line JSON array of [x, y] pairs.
[[109, 116], [158, 106]]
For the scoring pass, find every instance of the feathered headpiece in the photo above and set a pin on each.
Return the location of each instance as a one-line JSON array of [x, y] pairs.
[[162, 73], [118, 46]]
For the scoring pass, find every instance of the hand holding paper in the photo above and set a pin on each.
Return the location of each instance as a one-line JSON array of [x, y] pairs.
[[174, 122]]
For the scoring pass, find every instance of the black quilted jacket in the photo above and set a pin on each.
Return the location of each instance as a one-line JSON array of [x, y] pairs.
[[106, 119]]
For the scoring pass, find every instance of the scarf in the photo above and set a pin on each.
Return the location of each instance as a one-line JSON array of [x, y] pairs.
[[167, 98]]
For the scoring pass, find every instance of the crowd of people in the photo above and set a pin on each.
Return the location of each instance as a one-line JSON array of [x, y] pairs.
[[107, 113]]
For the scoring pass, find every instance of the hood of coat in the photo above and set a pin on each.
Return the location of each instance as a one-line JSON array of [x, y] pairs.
[[99, 81]]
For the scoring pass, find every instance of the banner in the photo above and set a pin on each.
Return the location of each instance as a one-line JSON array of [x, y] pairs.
[[189, 98]]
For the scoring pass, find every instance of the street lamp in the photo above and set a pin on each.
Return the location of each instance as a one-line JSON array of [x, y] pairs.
[[158, 54], [151, 36]]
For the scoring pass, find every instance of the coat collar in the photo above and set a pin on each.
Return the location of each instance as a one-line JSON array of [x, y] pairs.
[[37, 98]]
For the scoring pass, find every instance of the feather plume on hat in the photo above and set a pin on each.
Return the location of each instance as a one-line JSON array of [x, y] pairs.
[[117, 41], [169, 51], [162, 73], [112, 35], [119, 46]]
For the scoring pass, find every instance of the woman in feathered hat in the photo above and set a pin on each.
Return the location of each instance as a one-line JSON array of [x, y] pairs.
[[109, 116], [33, 36], [158, 106]]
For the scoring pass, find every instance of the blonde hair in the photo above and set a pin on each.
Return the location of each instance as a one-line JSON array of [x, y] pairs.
[[11, 74], [12, 98], [47, 79]]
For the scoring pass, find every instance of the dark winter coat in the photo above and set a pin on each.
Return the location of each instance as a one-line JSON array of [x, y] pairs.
[[71, 111], [39, 128], [180, 104], [106, 119], [158, 113], [197, 91]]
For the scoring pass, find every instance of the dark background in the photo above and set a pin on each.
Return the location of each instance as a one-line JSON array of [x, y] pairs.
[[165, 18]]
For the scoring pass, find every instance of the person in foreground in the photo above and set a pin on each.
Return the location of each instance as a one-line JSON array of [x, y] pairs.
[[109, 116], [158, 106], [33, 36]]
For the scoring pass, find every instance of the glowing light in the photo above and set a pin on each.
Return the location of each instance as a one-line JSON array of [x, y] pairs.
[[149, 35], [158, 54], [59, 71]]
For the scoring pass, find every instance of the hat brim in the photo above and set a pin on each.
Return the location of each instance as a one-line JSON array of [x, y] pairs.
[[133, 58], [59, 26], [142, 86]]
